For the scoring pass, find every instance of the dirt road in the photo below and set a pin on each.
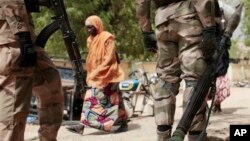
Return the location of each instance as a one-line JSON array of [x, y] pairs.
[[235, 110]]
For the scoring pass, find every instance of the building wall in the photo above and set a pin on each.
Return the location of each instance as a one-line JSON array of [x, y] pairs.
[[236, 72]]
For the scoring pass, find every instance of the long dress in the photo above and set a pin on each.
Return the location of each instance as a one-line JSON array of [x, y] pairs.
[[222, 89], [103, 109], [103, 106]]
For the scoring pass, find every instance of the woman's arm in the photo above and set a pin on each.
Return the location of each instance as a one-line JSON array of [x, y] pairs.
[[108, 59]]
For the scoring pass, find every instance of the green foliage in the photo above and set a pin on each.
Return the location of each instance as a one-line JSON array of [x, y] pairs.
[[246, 21], [118, 17], [54, 47], [246, 25], [234, 51]]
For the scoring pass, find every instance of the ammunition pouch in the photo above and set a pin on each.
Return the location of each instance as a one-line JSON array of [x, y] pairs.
[[197, 136], [32, 5], [160, 3]]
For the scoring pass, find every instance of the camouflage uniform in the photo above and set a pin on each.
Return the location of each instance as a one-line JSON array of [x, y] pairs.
[[16, 83], [179, 26]]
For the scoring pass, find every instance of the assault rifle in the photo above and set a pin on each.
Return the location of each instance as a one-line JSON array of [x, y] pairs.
[[61, 22], [201, 90]]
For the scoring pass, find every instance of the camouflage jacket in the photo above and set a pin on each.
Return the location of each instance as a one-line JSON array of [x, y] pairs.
[[14, 18], [204, 9]]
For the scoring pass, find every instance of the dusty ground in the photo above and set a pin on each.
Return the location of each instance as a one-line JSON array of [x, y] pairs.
[[236, 110]]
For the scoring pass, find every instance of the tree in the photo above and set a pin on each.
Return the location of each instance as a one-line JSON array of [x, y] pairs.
[[118, 17], [238, 48], [246, 25]]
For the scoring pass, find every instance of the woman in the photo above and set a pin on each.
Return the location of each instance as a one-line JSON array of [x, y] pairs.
[[102, 107], [222, 82]]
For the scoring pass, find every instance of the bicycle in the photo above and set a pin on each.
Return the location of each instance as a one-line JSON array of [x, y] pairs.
[[138, 92]]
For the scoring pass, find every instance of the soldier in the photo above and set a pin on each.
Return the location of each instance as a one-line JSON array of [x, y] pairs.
[[185, 35], [23, 67]]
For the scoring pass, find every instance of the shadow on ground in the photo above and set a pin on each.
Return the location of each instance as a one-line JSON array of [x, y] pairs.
[[131, 126], [213, 138], [232, 110]]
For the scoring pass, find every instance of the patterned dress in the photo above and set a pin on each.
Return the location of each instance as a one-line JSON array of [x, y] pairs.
[[222, 89], [102, 108]]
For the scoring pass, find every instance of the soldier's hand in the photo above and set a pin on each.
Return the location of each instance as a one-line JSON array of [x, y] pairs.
[[208, 43], [149, 41], [28, 56]]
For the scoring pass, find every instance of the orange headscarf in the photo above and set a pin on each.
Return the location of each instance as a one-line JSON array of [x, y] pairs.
[[101, 63]]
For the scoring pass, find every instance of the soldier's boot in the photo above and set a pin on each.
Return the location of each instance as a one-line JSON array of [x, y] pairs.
[[164, 106], [197, 137], [163, 135], [193, 137]]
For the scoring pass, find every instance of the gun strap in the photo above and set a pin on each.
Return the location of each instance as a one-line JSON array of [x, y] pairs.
[[32, 5]]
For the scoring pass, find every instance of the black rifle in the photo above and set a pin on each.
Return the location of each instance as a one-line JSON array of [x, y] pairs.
[[200, 91], [61, 22]]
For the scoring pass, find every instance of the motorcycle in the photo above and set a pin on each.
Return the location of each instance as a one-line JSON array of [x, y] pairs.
[[138, 92]]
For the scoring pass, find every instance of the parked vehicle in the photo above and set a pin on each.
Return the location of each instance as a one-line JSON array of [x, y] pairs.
[[138, 92]]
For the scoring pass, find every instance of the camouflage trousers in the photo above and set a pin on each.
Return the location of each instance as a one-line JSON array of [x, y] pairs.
[[16, 88], [179, 58]]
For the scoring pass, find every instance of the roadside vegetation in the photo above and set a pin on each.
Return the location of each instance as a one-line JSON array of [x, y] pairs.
[[119, 19]]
